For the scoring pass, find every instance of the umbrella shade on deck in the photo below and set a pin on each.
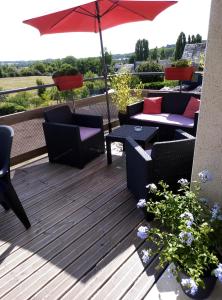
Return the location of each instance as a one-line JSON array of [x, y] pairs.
[[97, 16]]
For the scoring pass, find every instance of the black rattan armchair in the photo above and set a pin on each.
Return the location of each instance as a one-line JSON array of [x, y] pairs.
[[8, 196], [168, 161], [71, 138]]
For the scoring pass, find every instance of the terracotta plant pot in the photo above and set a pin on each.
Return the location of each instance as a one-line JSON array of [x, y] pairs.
[[68, 82], [182, 73]]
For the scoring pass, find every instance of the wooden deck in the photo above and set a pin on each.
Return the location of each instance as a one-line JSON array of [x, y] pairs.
[[82, 243]]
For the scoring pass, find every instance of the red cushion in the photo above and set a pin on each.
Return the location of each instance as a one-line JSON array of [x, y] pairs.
[[192, 107], [152, 105]]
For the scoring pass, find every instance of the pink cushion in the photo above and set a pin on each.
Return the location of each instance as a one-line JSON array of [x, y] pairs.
[[192, 107], [87, 132], [152, 105], [168, 119]]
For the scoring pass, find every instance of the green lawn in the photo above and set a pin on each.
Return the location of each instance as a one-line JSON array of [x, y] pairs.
[[21, 82]]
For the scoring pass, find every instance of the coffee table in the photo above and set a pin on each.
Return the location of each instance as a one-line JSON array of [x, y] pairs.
[[120, 134]]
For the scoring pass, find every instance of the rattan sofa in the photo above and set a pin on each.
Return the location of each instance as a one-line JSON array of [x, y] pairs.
[[172, 108]]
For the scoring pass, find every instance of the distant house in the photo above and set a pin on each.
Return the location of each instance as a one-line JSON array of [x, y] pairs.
[[194, 52]]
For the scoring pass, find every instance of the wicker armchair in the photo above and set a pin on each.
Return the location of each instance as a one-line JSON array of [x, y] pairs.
[[168, 161], [71, 138], [8, 196]]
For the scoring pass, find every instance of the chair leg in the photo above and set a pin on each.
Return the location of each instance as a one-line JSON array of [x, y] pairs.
[[14, 203]]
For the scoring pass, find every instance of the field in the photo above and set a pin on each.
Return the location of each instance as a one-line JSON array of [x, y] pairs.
[[21, 82]]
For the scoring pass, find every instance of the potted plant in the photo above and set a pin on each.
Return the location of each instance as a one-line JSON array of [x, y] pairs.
[[67, 78], [189, 238], [179, 70], [122, 94]]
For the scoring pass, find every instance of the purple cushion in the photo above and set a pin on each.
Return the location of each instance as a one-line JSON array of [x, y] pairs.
[[87, 132], [168, 119]]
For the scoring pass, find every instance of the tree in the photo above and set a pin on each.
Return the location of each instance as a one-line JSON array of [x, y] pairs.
[[154, 55], [189, 40], [198, 38], [180, 44], [193, 39], [142, 50], [162, 53]]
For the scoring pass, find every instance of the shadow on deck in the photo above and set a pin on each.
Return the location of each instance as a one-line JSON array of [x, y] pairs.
[[82, 243]]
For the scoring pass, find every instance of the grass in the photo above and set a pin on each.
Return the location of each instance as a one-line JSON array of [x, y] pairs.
[[10, 83]]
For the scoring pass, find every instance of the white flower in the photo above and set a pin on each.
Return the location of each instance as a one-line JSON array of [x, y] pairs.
[[189, 218], [170, 271], [191, 285], [186, 237], [141, 203], [218, 272], [205, 176], [152, 187], [183, 182], [142, 232], [216, 212], [146, 256]]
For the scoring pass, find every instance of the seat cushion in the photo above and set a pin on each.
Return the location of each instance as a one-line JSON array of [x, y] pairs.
[[152, 105], [87, 132], [168, 119]]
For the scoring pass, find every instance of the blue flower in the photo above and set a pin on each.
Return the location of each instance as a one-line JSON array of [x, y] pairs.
[[186, 237], [141, 203], [216, 212], [205, 176], [142, 232], [188, 217], [152, 187], [183, 182], [146, 256], [191, 285], [218, 272]]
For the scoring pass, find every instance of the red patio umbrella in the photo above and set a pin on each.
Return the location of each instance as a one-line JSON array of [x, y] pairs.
[[97, 16]]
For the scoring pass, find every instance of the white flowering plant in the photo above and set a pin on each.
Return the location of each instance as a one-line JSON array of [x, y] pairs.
[[190, 231]]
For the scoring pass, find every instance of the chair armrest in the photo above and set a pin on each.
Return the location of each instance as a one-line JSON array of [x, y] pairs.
[[196, 116], [180, 135], [134, 108], [88, 120], [139, 168], [60, 133]]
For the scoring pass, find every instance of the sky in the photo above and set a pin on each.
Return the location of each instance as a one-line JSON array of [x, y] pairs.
[[23, 42]]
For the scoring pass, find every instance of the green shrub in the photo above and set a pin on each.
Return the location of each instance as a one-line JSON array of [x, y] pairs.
[[41, 90], [159, 85], [150, 66], [8, 108], [21, 99]]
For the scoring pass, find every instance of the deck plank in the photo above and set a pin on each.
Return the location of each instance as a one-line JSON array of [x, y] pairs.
[[83, 234]]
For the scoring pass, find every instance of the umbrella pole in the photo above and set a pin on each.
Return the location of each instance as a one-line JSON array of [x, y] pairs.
[[104, 67]]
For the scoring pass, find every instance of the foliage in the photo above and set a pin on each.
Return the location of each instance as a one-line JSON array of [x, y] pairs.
[[64, 70], [122, 94], [7, 108], [154, 54], [157, 85], [181, 63], [201, 62], [41, 90], [191, 233], [142, 50], [150, 66], [180, 44]]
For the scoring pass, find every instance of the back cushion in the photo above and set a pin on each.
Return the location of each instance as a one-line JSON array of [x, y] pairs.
[[192, 107], [60, 114], [152, 105], [173, 102]]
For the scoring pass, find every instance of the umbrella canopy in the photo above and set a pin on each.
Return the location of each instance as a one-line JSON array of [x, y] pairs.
[[97, 16]]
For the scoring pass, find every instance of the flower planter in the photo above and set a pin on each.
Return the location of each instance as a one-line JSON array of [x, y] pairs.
[[182, 73], [202, 293], [68, 82]]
